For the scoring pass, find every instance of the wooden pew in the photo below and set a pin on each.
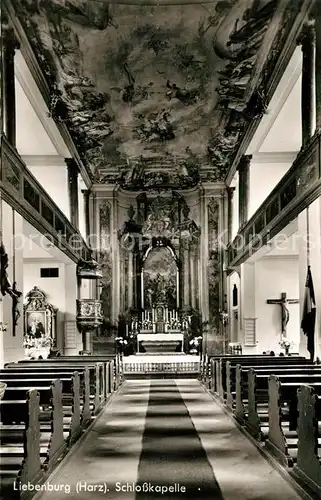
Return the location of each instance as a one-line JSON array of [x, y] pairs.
[[259, 399], [308, 466], [282, 438], [96, 372], [224, 365], [22, 464], [115, 360], [240, 406], [216, 368], [65, 376], [275, 368], [50, 418], [73, 423]]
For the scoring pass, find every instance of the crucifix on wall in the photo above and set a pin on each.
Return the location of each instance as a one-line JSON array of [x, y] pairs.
[[285, 315]]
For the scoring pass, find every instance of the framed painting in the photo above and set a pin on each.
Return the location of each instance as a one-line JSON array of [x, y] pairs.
[[39, 316]]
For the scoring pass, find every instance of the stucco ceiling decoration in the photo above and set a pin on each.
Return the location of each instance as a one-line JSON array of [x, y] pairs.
[[144, 85]]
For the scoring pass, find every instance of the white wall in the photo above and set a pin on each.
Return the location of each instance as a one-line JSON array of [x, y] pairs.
[[285, 134], [55, 181], [81, 207], [11, 347], [234, 329], [263, 179], [54, 288], [272, 277]]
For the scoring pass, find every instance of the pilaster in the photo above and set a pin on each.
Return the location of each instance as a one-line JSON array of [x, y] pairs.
[[86, 194], [73, 191], [317, 18], [230, 195], [244, 189], [9, 46], [307, 88]]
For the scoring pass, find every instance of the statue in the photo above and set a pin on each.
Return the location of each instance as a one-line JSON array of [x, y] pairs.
[[7, 288]]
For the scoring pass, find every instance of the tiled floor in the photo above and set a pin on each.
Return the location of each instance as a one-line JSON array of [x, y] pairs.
[[108, 462]]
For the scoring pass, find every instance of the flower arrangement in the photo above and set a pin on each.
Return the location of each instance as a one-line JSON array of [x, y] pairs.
[[224, 317], [286, 344], [37, 343], [121, 341], [195, 344]]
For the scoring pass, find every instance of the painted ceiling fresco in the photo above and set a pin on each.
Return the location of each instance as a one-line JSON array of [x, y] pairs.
[[149, 87]]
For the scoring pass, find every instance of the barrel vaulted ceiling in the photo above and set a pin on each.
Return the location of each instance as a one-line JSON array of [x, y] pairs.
[[156, 90]]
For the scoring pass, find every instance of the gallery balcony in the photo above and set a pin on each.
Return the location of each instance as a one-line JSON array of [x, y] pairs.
[[89, 313], [26, 195], [298, 188]]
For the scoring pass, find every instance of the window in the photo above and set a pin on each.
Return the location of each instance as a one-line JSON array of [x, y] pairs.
[[49, 272]]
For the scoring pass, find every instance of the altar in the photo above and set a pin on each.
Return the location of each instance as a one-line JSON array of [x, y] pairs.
[[155, 343]]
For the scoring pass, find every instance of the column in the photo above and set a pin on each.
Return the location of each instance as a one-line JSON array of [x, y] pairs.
[[230, 194], [186, 290], [73, 191], [307, 98], [192, 277], [244, 189], [130, 279], [317, 17], [86, 194], [10, 44]]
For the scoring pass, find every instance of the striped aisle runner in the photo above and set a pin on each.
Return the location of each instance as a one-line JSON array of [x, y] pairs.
[[173, 463]]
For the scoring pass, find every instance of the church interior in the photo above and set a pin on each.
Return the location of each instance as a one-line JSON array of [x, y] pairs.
[[160, 222]]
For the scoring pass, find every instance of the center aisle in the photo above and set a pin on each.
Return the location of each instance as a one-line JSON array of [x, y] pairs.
[[165, 439]]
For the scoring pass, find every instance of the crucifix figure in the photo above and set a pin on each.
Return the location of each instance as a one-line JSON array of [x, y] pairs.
[[285, 315]]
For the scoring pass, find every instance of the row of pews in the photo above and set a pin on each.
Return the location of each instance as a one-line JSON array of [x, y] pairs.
[[278, 401], [46, 406]]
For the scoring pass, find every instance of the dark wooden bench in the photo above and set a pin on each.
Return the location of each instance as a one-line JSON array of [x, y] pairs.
[[55, 432], [259, 400], [98, 387], [12, 376], [222, 365], [239, 404], [308, 466], [20, 449], [237, 392], [282, 440], [242, 358], [75, 415], [112, 366]]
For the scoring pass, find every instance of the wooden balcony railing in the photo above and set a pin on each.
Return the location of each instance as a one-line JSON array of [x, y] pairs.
[[298, 188], [21, 190]]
